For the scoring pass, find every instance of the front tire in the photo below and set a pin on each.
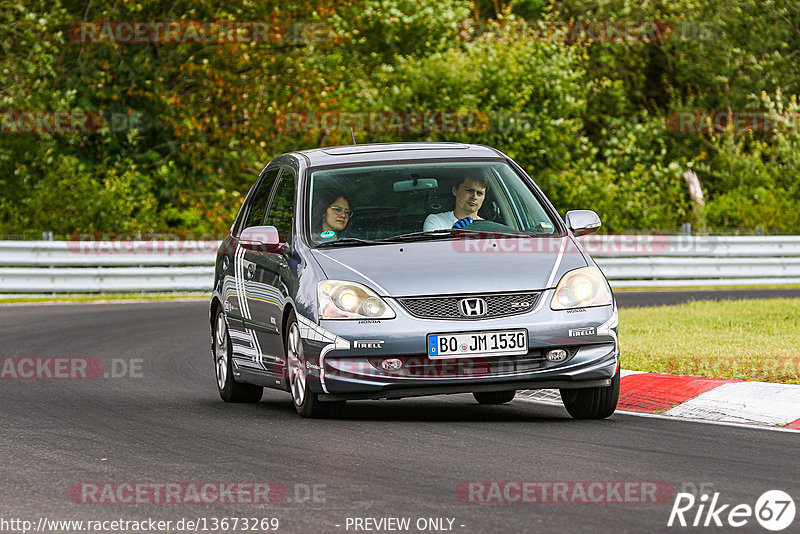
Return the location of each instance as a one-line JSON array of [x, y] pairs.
[[306, 402], [592, 403], [494, 397], [229, 389]]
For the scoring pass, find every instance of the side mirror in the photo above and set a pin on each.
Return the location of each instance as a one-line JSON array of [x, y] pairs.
[[582, 222], [261, 239]]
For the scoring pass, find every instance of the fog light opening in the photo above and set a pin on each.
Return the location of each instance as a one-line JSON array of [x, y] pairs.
[[556, 355], [392, 364]]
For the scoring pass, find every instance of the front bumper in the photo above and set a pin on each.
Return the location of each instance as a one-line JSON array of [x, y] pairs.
[[343, 358], [594, 373]]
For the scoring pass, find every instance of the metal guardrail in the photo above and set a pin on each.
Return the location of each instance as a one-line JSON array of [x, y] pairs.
[[106, 266], [106, 280], [630, 261], [106, 253], [158, 266]]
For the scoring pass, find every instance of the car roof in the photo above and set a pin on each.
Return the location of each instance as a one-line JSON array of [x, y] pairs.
[[377, 152]]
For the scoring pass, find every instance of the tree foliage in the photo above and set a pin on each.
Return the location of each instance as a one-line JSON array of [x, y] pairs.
[[190, 124]]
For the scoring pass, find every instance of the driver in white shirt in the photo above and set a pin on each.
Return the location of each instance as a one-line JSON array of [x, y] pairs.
[[470, 193]]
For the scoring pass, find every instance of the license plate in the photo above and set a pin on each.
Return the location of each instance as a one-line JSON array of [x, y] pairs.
[[509, 342]]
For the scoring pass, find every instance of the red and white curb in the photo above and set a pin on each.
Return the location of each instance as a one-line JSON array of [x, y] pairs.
[[701, 398]]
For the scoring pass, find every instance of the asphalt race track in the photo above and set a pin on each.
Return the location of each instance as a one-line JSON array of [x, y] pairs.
[[160, 420]]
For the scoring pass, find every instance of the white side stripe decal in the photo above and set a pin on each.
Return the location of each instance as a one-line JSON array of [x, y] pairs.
[[244, 305], [311, 331]]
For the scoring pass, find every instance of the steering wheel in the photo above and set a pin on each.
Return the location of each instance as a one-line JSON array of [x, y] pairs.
[[483, 225]]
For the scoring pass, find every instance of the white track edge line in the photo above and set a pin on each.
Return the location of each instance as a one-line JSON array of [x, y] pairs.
[[757, 426]]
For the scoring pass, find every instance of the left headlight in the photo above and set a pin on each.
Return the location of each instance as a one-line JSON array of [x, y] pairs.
[[581, 288], [339, 299]]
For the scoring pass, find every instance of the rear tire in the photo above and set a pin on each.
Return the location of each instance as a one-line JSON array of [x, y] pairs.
[[494, 397], [306, 403], [229, 389], [592, 403]]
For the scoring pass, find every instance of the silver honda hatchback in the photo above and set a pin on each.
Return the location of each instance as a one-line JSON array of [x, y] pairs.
[[397, 270]]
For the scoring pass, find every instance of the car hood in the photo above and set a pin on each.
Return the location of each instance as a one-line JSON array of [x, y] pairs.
[[453, 266]]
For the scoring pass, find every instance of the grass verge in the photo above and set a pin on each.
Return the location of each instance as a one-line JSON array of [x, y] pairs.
[[740, 339]]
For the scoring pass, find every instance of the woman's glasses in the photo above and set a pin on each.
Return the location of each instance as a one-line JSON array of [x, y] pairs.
[[339, 209]]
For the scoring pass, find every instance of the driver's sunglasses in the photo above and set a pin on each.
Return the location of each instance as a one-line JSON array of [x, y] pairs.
[[339, 209]]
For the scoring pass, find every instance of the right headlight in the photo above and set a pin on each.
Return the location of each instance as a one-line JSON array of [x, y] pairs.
[[581, 288], [339, 299]]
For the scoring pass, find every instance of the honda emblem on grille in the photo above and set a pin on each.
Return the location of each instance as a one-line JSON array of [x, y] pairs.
[[472, 307]]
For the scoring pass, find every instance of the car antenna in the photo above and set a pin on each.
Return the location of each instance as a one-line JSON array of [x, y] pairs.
[[352, 135]]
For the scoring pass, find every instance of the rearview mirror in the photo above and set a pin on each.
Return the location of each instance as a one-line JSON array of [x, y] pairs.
[[582, 222], [417, 184]]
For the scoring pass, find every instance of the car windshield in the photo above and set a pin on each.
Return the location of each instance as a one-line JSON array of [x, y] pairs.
[[420, 201]]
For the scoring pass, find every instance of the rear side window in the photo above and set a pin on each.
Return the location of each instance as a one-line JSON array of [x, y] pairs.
[[258, 204], [281, 212]]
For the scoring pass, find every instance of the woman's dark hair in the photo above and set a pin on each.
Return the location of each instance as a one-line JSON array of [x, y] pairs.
[[322, 201]]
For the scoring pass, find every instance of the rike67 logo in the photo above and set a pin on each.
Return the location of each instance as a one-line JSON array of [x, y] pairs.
[[774, 510]]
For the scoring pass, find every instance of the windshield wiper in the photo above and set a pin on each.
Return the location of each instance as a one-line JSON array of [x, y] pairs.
[[420, 236], [449, 232], [494, 233], [350, 241]]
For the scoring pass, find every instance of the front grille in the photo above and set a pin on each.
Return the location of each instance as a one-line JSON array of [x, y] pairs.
[[446, 307]]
